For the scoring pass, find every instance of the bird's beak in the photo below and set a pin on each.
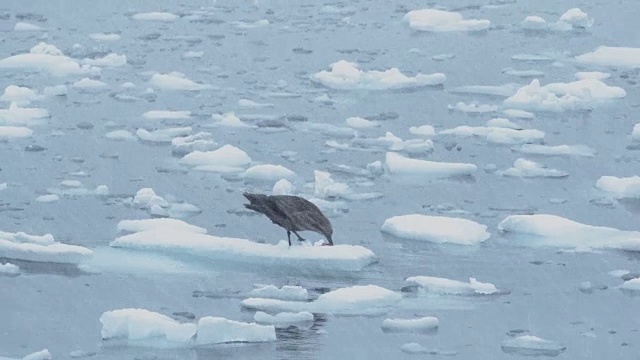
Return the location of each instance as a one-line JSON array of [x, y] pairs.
[[330, 241]]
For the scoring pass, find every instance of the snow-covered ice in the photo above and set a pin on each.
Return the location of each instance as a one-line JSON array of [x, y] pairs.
[[163, 135], [345, 75], [105, 36], [631, 286], [620, 188], [88, 84], [202, 141], [120, 135], [557, 150], [268, 172], [497, 134], [473, 108], [246, 103], [24, 26], [48, 198], [229, 119], [17, 115], [9, 269], [39, 355], [623, 57], [155, 16], [437, 229], [423, 130], [45, 57], [401, 165], [415, 348], [440, 21], [326, 187], [598, 75], [218, 330], [286, 292], [283, 187], [167, 114], [357, 122], [577, 18], [109, 60], [224, 159], [10, 132], [441, 286], [283, 318], [524, 168], [529, 345], [22, 246], [21, 95], [176, 81], [427, 324]]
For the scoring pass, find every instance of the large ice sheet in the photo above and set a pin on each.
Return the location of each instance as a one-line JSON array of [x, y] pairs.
[[179, 239], [22, 246], [437, 229], [552, 230]]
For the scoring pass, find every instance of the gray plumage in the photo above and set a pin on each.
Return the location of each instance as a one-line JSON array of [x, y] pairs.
[[292, 213]]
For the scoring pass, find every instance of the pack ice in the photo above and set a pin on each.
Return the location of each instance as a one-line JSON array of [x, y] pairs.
[[22, 246]]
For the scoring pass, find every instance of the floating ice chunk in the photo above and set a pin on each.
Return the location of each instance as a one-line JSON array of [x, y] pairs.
[[442, 286], [597, 75], [45, 57], [155, 16], [40, 355], [176, 81], [503, 123], [104, 36], [217, 330], [534, 23], [326, 187], [180, 240], [473, 108], [440, 21], [552, 230], [415, 348], [346, 75], [531, 57], [286, 292], [631, 286], [230, 119], [163, 135], [427, 324], [181, 210], [522, 73], [437, 229], [21, 246], [171, 225], [227, 156], [619, 273], [283, 318], [529, 345], [146, 197], [423, 130], [250, 25], [120, 135], [361, 123], [557, 150], [193, 54], [283, 187], [19, 94], [109, 60], [13, 132], [500, 90], [529, 169], [9, 269], [102, 190], [324, 99], [202, 141], [520, 114], [246, 103], [166, 114], [141, 324], [635, 133], [443, 57], [86, 84], [620, 188], [577, 18], [581, 94], [48, 198], [57, 90], [23, 26], [268, 172], [71, 183], [19, 115], [625, 57], [398, 164], [331, 130]]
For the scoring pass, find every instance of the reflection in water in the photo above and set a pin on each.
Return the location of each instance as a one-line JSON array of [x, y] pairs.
[[300, 342], [36, 267]]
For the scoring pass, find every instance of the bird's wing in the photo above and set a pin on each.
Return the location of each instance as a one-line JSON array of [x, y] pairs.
[[305, 220]]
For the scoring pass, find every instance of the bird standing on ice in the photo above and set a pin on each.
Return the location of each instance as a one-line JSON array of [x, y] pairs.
[[292, 213]]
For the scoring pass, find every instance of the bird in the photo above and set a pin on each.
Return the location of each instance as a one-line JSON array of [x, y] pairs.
[[292, 213]]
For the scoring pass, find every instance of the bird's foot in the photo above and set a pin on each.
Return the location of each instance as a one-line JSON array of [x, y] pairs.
[[301, 239], [326, 244]]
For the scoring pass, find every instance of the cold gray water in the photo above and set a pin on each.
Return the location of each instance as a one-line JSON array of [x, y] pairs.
[[58, 307]]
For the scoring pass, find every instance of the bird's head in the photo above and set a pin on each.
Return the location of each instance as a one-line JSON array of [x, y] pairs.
[[328, 235]]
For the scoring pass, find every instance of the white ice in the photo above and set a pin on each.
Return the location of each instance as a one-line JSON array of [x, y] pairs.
[[283, 187], [401, 165], [497, 134], [346, 75], [193, 54], [202, 141], [530, 169], [250, 25], [552, 230], [9, 269], [534, 23], [440, 21], [246, 103], [415, 348], [529, 345], [48, 198], [140, 324], [13, 132], [441, 286], [22, 246], [576, 18], [167, 114], [620, 188], [326, 187], [423, 130], [557, 150], [473, 108], [20, 95], [598, 75], [163, 135], [224, 159], [181, 240], [425, 324], [520, 114], [176, 81], [286, 292], [109, 60], [45, 57], [145, 198], [357, 122], [120, 135], [268, 172], [437, 229], [229, 119], [40, 355], [155, 16], [283, 318], [23, 26], [88, 84], [104, 37], [616, 57], [632, 286], [16, 115]]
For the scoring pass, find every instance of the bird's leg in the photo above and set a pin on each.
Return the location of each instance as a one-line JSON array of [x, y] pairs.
[[289, 236], [300, 238]]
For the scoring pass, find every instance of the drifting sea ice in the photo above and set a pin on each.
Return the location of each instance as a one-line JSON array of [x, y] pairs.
[[401, 165], [597, 75], [155, 16], [436, 229], [620, 188], [40, 355], [20, 95], [22, 246], [283, 319], [230, 119], [178, 238], [227, 158], [423, 130], [441, 21], [104, 36], [557, 150], [283, 187], [88, 84], [529, 345], [361, 123], [176, 81], [45, 57], [326, 187], [246, 103], [13, 132], [473, 108], [9, 269], [268, 172], [415, 348], [524, 168], [616, 57], [166, 114], [631, 286], [520, 114], [48, 198], [109, 60], [552, 230], [441, 286], [202, 141], [427, 324], [286, 292], [16, 115], [497, 134], [250, 25], [120, 135], [163, 135], [23, 26], [576, 18], [346, 75], [534, 23]]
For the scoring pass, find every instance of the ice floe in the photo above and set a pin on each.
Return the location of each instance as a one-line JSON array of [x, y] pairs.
[[246, 103], [553, 230], [439, 21], [283, 187], [392, 142], [39, 355], [427, 324], [163, 135], [181, 240], [326, 187], [534, 23], [88, 84], [138, 325], [497, 133], [519, 114], [346, 75], [202, 141], [227, 158], [16, 115], [109, 60], [166, 114], [9, 269], [572, 19], [557, 150], [19, 95], [437, 229], [401, 165], [286, 292], [620, 188], [423, 130], [597, 75], [580, 94], [415, 348], [355, 300], [48, 198], [430, 285], [631, 286], [155, 16], [176, 81], [22, 246], [193, 54], [576, 18], [473, 108], [268, 172], [48, 58], [529, 345], [229, 119], [250, 25], [361, 123], [283, 319], [13, 132], [529, 169], [23, 26], [104, 36], [120, 135], [625, 57]]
